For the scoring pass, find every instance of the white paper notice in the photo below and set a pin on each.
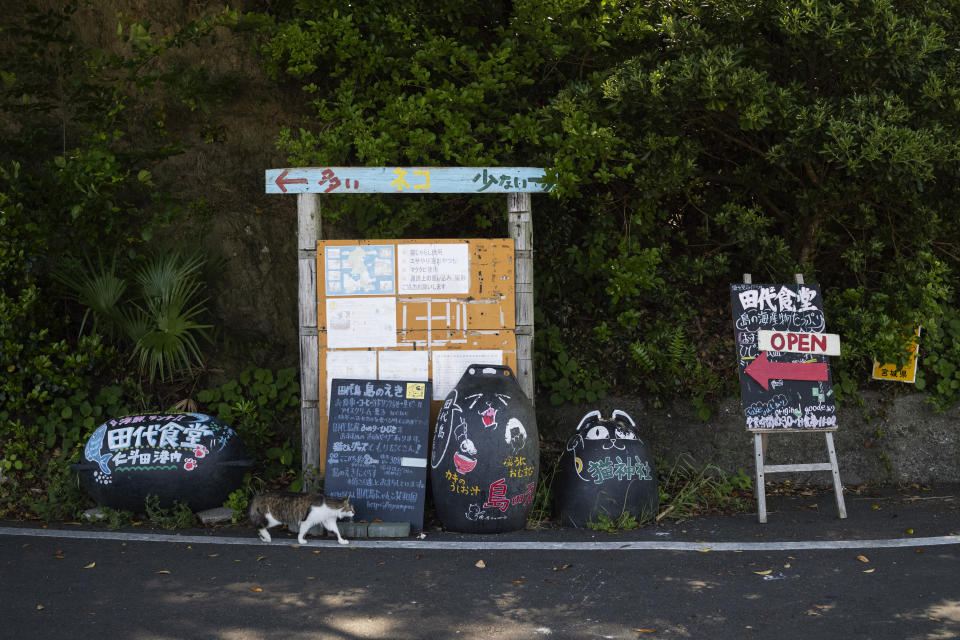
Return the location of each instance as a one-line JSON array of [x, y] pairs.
[[433, 269], [448, 367], [350, 364], [404, 365], [361, 322]]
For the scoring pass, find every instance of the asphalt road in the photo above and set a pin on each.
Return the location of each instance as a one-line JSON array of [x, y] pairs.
[[890, 570]]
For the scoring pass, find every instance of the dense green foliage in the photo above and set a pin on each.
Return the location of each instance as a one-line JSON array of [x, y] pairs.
[[691, 142], [77, 144]]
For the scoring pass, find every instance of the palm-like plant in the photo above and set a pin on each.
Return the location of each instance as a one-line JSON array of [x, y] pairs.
[[161, 320], [165, 328], [99, 289]]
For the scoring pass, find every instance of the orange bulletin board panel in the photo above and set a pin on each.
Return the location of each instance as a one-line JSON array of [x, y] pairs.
[[412, 310]]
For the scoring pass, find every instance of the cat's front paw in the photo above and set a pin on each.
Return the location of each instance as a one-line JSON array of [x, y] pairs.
[[343, 541], [264, 535], [302, 540]]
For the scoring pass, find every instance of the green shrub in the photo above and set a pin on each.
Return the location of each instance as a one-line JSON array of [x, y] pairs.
[[264, 408]]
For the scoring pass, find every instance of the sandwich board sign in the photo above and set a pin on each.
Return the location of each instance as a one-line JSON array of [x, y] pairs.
[[785, 382], [785, 379]]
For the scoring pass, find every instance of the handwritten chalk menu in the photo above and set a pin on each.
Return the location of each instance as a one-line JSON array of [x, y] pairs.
[[377, 448], [782, 390]]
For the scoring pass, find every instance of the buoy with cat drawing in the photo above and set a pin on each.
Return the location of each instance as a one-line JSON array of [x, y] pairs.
[[485, 457]]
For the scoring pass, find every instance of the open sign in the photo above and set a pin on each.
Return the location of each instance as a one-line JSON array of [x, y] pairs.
[[823, 344]]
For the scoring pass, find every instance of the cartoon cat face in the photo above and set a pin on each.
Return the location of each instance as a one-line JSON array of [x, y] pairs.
[[610, 430]]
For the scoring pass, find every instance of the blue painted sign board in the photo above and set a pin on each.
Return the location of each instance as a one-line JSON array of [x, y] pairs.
[[407, 180]]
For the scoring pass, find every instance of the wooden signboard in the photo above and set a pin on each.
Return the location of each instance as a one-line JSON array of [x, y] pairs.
[[335, 180], [310, 183], [785, 380], [413, 310], [377, 449], [790, 387]]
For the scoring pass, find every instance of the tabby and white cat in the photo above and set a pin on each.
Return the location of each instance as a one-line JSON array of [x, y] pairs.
[[305, 510]]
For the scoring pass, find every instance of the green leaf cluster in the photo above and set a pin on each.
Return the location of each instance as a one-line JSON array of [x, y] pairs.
[[263, 406], [690, 143]]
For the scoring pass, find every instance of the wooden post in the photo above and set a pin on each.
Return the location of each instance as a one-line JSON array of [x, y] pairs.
[[520, 225], [308, 232]]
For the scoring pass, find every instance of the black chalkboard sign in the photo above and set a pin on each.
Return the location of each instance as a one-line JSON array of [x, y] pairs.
[[782, 390], [377, 448]]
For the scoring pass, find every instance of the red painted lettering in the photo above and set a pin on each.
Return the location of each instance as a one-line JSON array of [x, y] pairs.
[[819, 342], [776, 341], [804, 342]]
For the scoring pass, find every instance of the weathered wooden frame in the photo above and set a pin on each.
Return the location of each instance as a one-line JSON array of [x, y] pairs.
[[309, 182]]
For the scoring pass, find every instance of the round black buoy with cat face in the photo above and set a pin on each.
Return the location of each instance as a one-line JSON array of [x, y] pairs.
[[485, 455], [179, 457], [606, 470]]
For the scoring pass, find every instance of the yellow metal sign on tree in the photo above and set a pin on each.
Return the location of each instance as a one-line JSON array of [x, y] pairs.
[[896, 373]]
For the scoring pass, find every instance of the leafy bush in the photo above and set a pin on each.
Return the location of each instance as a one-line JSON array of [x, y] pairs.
[[940, 355], [264, 408], [690, 143]]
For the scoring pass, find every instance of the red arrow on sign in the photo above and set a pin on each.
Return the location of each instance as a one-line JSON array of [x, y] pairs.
[[762, 370], [282, 181]]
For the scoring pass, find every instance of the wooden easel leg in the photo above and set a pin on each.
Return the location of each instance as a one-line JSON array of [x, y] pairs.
[[761, 488], [837, 485]]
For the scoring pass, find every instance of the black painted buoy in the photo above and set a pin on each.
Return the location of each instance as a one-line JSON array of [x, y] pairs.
[[485, 455], [187, 457], [606, 470]]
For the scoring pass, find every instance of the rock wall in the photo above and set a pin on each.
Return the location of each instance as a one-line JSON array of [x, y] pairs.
[[886, 440]]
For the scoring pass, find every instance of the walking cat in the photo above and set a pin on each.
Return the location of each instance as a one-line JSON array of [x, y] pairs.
[[305, 510]]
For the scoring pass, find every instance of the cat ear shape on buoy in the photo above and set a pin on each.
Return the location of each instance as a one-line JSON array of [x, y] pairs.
[[618, 414], [595, 415]]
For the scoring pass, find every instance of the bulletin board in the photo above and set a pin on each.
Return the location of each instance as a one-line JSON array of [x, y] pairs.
[[412, 310]]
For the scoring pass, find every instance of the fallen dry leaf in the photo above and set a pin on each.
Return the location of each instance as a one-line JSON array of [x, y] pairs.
[[39, 607], [163, 571], [704, 550], [260, 558], [517, 581], [869, 570], [212, 555], [257, 589], [862, 559], [645, 630], [480, 564], [764, 573], [910, 532], [90, 566]]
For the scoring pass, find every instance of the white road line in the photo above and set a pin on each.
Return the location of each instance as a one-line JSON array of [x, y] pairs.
[[656, 545]]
